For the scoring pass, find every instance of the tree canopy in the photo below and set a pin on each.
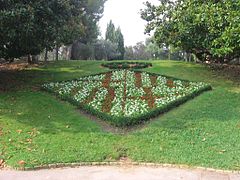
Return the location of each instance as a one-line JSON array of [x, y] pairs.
[[115, 36], [208, 29], [27, 27]]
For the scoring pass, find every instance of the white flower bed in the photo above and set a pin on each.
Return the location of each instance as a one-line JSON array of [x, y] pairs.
[[117, 108], [85, 92], [127, 100], [146, 81], [135, 107], [93, 78], [99, 98], [118, 75]]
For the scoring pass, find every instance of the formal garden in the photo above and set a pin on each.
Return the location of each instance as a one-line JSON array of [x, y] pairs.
[[38, 128], [126, 97], [75, 91]]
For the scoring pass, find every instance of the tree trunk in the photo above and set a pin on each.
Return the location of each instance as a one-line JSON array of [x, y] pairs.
[[199, 56], [189, 57], [57, 50], [46, 56], [29, 59], [69, 51], [35, 59]]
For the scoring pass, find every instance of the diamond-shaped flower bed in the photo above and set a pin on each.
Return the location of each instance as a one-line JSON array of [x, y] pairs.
[[126, 97]]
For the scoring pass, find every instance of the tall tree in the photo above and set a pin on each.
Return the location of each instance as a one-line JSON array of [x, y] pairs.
[[120, 43], [208, 29], [116, 37], [93, 10], [111, 32], [27, 28]]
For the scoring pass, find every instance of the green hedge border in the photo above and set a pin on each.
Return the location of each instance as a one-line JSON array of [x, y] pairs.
[[130, 121], [125, 65]]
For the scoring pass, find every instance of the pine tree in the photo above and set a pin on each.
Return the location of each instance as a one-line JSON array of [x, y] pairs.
[[111, 32], [120, 43], [115, 36]]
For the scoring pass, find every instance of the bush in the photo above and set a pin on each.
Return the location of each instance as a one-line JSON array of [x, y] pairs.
[[127, 65]]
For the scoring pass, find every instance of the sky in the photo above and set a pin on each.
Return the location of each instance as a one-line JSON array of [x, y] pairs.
[[126, 14]]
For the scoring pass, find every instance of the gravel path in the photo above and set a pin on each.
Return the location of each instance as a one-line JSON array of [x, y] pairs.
[[117, 173]]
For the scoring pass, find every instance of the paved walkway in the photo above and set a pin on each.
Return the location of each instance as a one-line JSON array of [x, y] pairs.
[[117, 173]]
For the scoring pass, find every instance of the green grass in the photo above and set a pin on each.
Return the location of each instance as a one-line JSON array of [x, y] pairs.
[[39, 129]]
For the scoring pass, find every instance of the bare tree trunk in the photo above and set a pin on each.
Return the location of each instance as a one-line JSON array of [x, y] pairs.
[[46, 56]]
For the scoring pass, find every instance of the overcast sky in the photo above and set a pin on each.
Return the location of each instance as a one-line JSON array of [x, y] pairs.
[[126, 14]]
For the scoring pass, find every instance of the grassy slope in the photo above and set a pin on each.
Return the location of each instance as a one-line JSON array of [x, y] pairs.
[[40, 129]]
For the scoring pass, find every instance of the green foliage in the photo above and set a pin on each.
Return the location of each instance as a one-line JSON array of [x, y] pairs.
[[208, 29], [137, 52], [28, 28], [127, 65], [162, 53], [110, 32], [125, 121], [82, 51], [115, 36], [120, 43], [202, 132], [89, 21]]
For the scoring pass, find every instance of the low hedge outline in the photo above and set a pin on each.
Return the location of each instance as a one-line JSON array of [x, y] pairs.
[[125, 65], [131, 121]]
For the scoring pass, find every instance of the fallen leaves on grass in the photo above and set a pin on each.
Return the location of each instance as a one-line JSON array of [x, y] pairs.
[[2, 163], [21, 163]]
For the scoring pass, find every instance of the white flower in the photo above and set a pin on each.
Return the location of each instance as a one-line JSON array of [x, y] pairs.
[[128, 99]]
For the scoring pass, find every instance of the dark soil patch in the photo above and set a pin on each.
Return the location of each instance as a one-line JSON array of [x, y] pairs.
[[153, 80], [149, 97], [91, 96], [138, 82], [107, 105]]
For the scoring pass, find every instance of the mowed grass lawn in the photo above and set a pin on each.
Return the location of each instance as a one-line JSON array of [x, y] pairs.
[[39, 129]]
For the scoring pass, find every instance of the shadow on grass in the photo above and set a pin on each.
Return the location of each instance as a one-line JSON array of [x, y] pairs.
[[43, 112], [26, 79]]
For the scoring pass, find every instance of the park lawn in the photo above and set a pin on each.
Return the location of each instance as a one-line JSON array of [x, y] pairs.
[[37, 129]]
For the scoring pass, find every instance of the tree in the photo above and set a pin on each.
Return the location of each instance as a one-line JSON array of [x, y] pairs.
[[120, 43], [28, 28], [111, 50], [208, 29], [116, 37], [110, 32], [92, 14], [140, 51], [100, 50], [105, 49], [129, 53]]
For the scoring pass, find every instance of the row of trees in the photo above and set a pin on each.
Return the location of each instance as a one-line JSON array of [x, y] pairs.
[[29, 27], [208, 29], [149, 50], [110, 48]]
